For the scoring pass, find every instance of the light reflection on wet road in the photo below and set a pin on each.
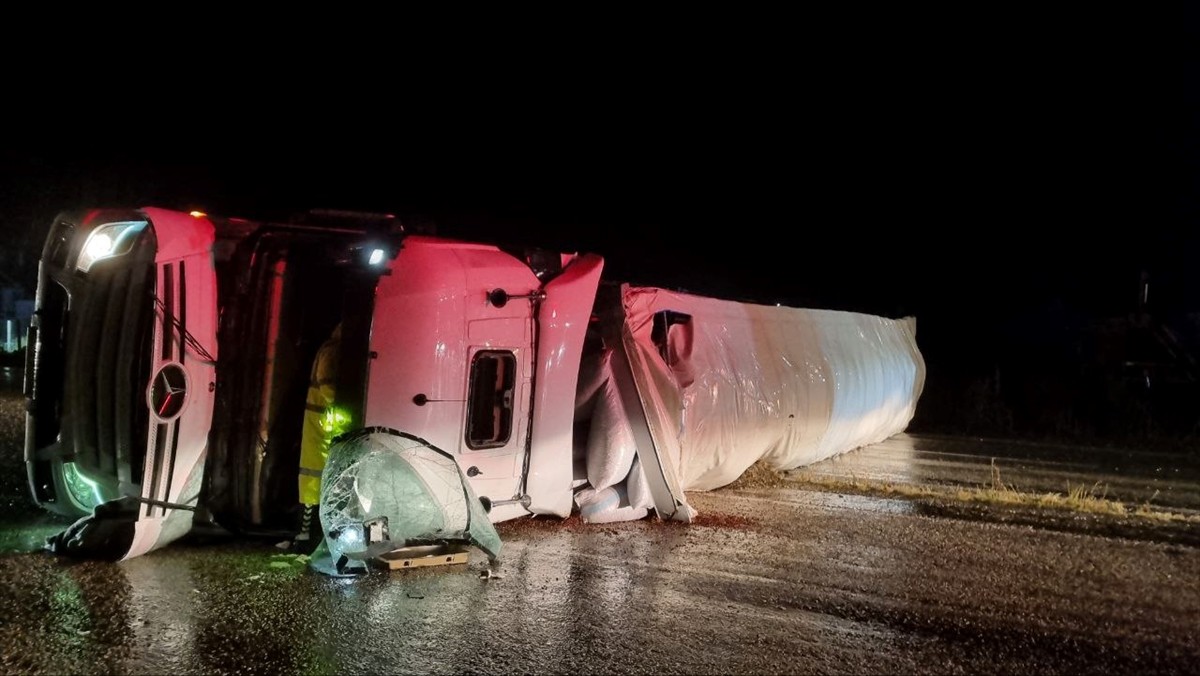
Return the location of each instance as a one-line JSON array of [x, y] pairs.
[[788, 581], [771, 580]]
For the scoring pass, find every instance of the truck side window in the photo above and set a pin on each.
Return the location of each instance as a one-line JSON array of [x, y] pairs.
[[490, 399]]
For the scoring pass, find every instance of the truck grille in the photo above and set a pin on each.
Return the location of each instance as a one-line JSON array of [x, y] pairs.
[[85, 381], [108, 366]]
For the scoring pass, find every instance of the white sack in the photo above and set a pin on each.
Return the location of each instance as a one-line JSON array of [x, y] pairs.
[[611, 448]]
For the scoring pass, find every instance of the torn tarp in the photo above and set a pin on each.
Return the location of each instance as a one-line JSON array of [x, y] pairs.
[[382, 490]]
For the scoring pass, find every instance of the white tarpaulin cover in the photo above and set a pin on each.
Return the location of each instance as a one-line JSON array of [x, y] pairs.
[[725, 384], [414, 492]]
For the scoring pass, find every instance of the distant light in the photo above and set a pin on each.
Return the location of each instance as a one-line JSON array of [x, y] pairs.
[[376, 257], [99, 245], [197, 214], [779, 305]]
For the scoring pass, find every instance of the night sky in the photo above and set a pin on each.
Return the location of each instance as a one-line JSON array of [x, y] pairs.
[[993, 171]]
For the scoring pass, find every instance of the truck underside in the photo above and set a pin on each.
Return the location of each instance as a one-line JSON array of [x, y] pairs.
[[284, 293]]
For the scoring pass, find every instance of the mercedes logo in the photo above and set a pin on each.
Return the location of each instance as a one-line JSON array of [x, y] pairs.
[[168, 391]]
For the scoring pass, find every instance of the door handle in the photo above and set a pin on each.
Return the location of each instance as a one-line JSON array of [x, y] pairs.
[[473, 471]]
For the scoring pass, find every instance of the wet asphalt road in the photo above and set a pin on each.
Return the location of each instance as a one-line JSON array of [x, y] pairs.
[[1131, 476], [771, 580]]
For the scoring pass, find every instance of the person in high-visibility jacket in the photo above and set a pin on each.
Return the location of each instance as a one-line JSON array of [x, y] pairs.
[[323, 421]]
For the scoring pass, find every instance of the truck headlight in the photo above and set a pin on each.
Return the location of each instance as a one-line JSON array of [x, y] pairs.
[[350, 539], [106, 241], [83, 489]]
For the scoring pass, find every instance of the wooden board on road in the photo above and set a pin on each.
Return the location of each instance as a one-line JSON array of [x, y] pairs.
[[418, 557]]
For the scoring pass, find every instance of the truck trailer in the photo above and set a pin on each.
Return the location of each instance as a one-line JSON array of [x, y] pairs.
[[169, 359]]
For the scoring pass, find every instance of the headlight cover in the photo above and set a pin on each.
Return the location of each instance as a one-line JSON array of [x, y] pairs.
[[107, 241]]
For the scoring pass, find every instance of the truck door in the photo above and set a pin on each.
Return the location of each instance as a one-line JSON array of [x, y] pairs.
[[452, 359], [498, 388]]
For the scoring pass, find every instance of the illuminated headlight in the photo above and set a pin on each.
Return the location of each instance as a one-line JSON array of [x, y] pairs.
[[106, 241], [350, 539], [376, 257]]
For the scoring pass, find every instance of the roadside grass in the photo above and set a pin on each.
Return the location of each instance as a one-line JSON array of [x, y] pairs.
[[1083, 498]]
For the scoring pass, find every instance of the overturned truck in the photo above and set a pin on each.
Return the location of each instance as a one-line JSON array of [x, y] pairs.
[[171, 353]]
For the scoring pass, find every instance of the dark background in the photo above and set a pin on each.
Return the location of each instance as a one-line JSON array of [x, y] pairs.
[[1008, 175]]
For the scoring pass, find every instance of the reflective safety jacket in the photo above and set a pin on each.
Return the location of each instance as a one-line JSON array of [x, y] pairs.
[[322, 420]]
